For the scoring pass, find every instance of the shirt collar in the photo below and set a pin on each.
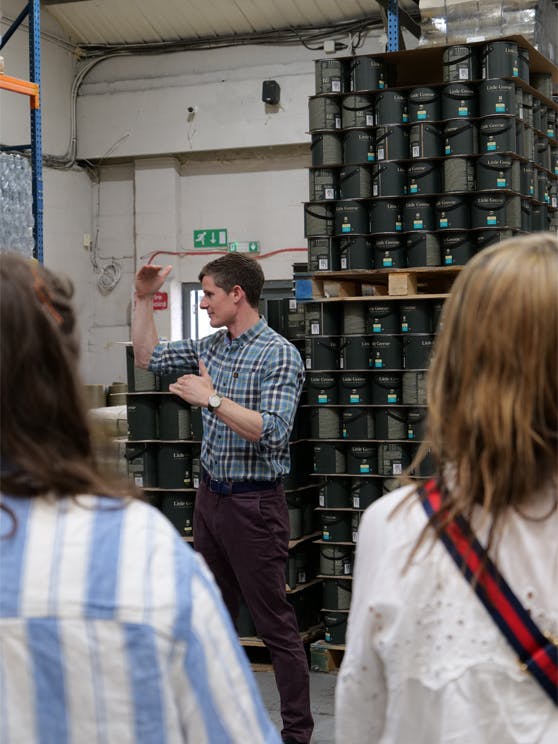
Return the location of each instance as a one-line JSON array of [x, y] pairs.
[[250, 334]]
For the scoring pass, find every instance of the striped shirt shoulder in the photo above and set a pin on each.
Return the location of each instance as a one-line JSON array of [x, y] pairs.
[[113, 630]]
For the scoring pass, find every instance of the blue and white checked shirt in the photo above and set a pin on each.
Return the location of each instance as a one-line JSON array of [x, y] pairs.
[[112, 631], [259, 370]]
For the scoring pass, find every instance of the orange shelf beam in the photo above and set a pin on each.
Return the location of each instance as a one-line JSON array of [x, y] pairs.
[[21, 86]]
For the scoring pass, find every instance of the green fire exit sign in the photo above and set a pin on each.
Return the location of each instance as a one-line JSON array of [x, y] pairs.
[[216, 238], [244, 246]]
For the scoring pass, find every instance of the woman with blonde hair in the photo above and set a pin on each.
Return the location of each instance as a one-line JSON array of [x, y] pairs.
[[111, 628], [426, 660]]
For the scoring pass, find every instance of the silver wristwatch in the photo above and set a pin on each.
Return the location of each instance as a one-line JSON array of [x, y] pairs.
[[214, 402]]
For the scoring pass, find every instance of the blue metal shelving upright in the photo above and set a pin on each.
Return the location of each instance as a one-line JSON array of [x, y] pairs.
[[393, 26], [394, 19], [33, 11], [36, 125]]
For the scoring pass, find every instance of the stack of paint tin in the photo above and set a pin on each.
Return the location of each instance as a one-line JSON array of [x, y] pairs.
[[342, 128], [418, 174], [366, 363], [163, 448], [426, 175]]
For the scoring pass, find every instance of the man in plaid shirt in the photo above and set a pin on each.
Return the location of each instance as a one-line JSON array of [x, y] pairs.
[[248, 387]]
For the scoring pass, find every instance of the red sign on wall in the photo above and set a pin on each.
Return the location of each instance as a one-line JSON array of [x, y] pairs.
[[160, 301]]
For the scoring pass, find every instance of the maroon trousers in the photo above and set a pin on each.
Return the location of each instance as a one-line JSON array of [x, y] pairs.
[[244, 540]]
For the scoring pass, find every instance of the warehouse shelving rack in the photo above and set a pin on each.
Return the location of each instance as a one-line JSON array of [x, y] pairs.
[[32, 89]]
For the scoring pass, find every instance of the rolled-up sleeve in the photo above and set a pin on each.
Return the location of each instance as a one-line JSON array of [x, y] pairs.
[[280, 393], [173, 357]]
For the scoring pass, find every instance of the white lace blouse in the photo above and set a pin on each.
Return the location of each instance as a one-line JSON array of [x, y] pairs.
[[424, 662]]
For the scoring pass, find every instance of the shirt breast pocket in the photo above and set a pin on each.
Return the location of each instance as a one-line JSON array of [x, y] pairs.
[[245, 387]]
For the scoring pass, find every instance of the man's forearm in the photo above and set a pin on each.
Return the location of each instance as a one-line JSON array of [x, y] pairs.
[[144, 331], [244, 422]]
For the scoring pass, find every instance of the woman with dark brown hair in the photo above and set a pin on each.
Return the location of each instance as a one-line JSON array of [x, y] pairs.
[[111, 627], [425, 661]]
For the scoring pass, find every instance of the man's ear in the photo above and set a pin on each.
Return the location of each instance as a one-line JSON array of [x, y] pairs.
[[238, 293]]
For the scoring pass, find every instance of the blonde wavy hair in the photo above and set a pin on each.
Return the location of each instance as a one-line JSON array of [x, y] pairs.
[[492, 423]]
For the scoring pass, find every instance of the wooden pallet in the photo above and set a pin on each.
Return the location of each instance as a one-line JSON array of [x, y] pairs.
[[257, 652], [326, 657], [421, 282]]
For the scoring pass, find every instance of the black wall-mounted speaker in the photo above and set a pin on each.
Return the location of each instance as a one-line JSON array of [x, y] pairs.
[[271, 92]]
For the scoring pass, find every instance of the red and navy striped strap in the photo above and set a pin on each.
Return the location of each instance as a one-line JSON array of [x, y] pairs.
[[537, 652]]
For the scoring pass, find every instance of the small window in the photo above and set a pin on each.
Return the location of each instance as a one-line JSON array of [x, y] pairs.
[[197, 321]]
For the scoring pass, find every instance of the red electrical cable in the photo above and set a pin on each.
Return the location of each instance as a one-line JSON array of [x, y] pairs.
[[211, 253]]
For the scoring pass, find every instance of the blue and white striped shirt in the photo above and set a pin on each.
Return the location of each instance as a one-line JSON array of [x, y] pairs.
[[259, 370], [112, 631]]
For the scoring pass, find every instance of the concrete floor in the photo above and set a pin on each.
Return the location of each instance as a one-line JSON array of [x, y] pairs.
[[322, 689]]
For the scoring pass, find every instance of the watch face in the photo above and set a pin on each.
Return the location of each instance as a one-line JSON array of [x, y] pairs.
[[214, 401]]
